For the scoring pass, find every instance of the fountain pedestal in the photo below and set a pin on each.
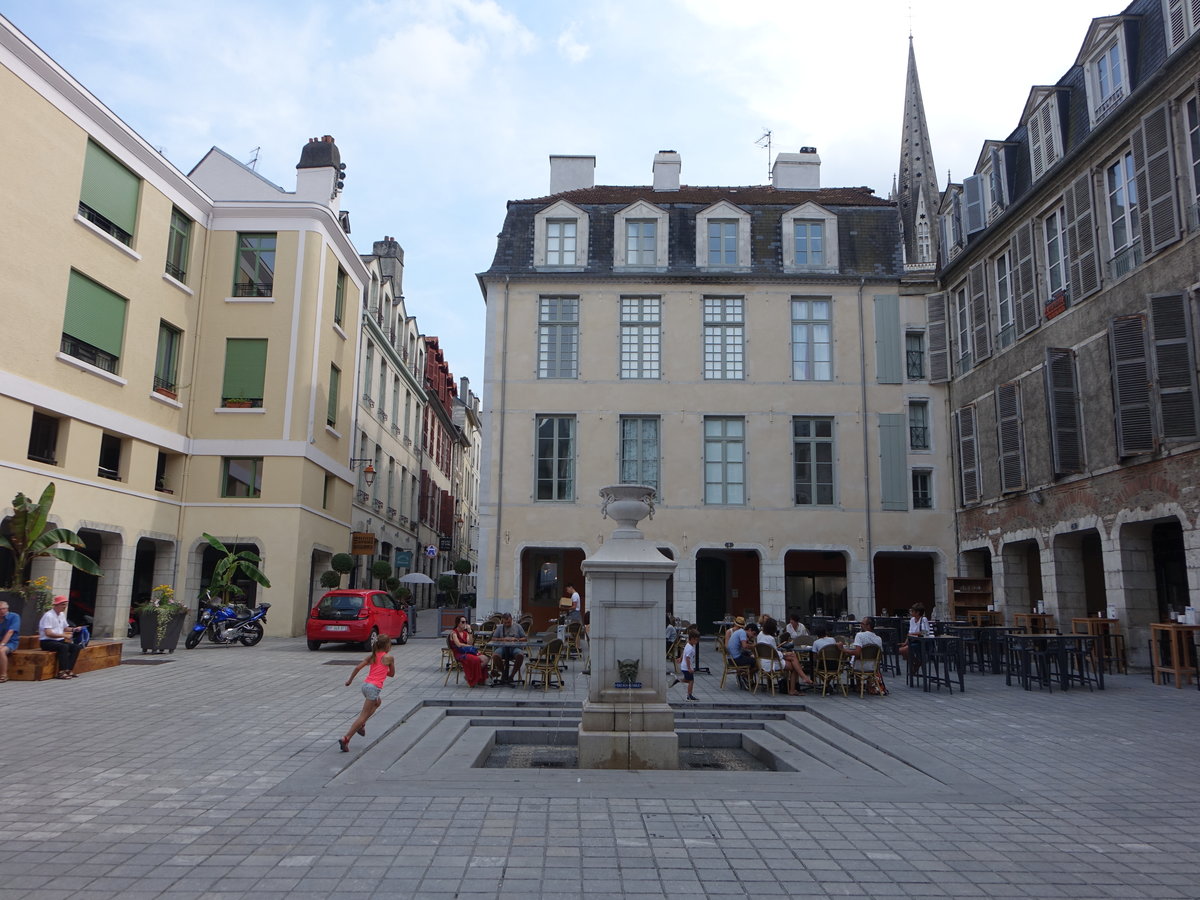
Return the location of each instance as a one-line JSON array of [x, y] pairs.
[[627, 723]]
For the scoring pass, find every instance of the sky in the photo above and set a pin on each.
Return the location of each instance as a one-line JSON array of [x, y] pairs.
[[446, 109]]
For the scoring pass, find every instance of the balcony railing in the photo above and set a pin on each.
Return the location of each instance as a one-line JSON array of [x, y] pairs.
[[85, 352], [915, 364], [377, 505], [105, 225], [383, 417], [366, 399], [1126, 261], [922, 501], [395, 431], [361, 497], [918, 437], [176, 272], [1110, 103], [391, 512], [110, 474], [253, 288]]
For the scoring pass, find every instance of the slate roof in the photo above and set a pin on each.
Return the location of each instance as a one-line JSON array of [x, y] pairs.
[[868, 229]]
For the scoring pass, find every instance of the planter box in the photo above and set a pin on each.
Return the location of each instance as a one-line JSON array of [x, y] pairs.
[[148, 632]]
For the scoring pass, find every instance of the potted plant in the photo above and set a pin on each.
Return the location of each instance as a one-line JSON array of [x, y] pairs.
[[382, 570], [160, 620], [237, 403], [330, 580], [28, 539], [229, 567]]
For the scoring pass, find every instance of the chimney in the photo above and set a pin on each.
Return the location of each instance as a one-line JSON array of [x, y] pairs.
[[666, 170], [389, 247], [320, 172], [570, 173], [797, 171]]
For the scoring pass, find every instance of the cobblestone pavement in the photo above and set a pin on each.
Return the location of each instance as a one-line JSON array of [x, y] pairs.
[[213, 775]]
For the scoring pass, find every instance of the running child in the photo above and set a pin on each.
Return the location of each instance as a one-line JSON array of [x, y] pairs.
[[382, 664]]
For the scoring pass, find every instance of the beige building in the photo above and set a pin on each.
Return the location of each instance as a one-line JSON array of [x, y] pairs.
[[754, 353], [170, 360]]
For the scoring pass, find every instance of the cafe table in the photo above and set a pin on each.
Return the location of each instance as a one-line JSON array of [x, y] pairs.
[[1180, 661], [1052, 657], [1035, 623], [934, 661], [985, 617], [1110, 643]]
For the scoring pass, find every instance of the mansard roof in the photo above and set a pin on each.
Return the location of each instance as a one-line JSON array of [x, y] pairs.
[[741, 196]]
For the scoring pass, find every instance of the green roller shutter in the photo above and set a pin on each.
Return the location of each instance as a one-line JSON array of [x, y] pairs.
[[95, 315], [109, 188], [245, 368]]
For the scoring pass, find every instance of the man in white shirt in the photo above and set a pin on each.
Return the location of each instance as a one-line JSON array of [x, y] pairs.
[[576, 613], [55, 634], [866, 636]]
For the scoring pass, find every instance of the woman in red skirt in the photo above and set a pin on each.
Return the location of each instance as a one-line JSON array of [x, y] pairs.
[[465, 652]]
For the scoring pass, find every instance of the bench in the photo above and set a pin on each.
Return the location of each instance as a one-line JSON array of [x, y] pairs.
[[31, 663]]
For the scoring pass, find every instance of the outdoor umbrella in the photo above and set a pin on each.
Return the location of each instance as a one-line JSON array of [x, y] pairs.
[[415, 578]]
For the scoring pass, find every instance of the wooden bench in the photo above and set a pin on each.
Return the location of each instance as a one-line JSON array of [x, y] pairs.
[[31, 663]]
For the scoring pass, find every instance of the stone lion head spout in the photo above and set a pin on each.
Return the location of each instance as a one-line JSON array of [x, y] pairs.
[[628, 669]]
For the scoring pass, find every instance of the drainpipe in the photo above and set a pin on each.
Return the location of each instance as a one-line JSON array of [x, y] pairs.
[[501, 416], [862, 369]]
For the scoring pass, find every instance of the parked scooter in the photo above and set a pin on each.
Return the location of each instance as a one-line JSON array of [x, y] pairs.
[[227, 623]]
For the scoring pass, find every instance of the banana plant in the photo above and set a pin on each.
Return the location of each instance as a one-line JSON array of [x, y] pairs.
[[29, 538], [230, 566]]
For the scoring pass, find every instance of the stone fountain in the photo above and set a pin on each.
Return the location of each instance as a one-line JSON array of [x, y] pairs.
[[627, 722]]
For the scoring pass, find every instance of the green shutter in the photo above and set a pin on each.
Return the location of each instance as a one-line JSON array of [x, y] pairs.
[[335, 378], [887, 340], [245, 368], [95, 315], [893, 461], [109, 188]]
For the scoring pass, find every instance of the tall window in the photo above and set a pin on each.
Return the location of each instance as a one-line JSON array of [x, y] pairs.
[[1122, 203], [109, 195], [408, 401], [1109, 84], [110, 457], [1004, 298], [555, 458], [963, 323], [255, 275], [812, 340], [43, 439], [724, 460], [560, 242], [368, 373], [1193, 142], [94, 324], [918, 425], [335, 384], [245, 372], [810, 243], [914, 355], [1057, 263], [641, 242], [812, 449], [558, 337], [641, 326], [922, 489], [166, 363], [383, 386], [241, 476], [395, 403], [179, 242], [639, 450], [924, 246], [722, 242], [724, 338], [339, 297]]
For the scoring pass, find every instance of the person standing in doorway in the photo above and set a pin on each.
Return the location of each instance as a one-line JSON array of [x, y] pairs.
[[576, 613], [381, 664]]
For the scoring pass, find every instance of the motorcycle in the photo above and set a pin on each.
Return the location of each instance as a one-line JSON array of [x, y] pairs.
[[228, 623]]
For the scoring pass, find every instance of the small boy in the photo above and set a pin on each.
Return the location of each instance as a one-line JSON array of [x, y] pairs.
[[687, 664]]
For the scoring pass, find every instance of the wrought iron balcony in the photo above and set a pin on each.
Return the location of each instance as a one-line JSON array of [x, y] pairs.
[[918, 437], [105, 225], [253, 288], [361, 497], [176, 272], [915, 364], [391, 512], [85, 352], [1126, 261]]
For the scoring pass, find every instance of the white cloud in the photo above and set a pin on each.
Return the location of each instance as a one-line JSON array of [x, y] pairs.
[[570, 47]]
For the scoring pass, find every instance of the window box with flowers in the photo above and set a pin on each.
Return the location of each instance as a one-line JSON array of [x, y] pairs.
[[160, 620]]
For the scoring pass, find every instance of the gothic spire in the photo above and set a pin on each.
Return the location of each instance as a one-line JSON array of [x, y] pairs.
[[917, 191]]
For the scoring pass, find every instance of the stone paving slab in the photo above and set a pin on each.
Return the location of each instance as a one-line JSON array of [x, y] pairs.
[[180, 780]]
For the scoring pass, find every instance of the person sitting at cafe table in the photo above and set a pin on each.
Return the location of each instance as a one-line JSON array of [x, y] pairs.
[[866, 635], [740, 645], [506, 661], [822, 639], [462, 645], [784, 662], [918, 627], [795, 628]]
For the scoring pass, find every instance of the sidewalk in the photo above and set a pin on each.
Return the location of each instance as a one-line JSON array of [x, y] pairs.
[[215, 773]]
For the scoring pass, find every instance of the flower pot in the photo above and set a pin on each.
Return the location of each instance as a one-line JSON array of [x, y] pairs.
[[148, 632]]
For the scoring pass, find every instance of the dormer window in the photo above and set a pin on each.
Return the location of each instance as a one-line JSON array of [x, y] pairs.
[[1045, 131], [810, 241], [1106, 64], [723, 237], [1182, 19], [560, 237], [641, 237]]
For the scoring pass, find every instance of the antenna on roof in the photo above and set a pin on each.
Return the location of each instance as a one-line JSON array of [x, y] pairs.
[[254, 160], [765, 142]]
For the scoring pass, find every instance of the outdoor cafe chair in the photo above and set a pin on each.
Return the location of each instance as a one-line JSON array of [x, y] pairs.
[[545, 666], [729, 665], [675, 652], [828, 669], [573, 634], [769, 669], [871, 661]]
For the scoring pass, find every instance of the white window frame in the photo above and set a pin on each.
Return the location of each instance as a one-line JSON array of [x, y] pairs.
[[640, 211], [725, 461], [562, 240], [558, 331], [1054, 240], [809, 212], [1191, 128], [813, 441], [726, 212], [1006, 322], [810, 333], [962, 326], [724, 338], [565, 449], [928, 475], [640, 459], [1124, 191], [560, 210], [641, 337]]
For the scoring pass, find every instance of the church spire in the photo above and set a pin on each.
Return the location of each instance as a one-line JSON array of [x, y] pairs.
[[917, 189]]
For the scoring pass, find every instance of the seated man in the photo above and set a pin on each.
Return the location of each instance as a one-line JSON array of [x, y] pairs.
[[505, 657], [866, 635], [10, 637], [823, 640], [55, 634], [740, 646]]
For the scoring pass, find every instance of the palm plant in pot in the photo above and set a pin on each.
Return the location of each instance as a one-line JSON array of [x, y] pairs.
[[160, 620]]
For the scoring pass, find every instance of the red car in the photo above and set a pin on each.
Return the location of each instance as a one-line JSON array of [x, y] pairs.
[[355, 617]]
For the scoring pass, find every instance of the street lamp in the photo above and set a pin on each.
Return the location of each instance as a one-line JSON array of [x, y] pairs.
[[368, 472]]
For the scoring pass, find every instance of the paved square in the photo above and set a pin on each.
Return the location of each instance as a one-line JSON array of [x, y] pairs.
[[218, 775]]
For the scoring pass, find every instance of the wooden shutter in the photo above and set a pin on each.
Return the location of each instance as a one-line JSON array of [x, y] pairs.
[[1037, 161], [1010, 438], [1062, 401], [1155, 173], [976, 214], [94, 315], [1024, 281], [893, 461], [245, 368], [1174, 366], [1176, 24], [1081, 238], [1131, 385], [888, 369], [980, 319], [968, 456], [939, 338]]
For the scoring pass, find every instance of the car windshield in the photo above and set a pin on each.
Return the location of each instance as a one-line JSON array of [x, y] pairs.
[[339, 604]]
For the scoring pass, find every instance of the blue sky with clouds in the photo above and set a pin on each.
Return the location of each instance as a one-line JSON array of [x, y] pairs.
[[445, 109]]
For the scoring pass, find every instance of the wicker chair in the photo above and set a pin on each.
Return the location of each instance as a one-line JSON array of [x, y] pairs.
[[545, 666], [828, 669]]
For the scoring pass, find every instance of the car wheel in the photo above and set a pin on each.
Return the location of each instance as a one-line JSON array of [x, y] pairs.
[[402, 638], [314, 645], [370, 641]]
